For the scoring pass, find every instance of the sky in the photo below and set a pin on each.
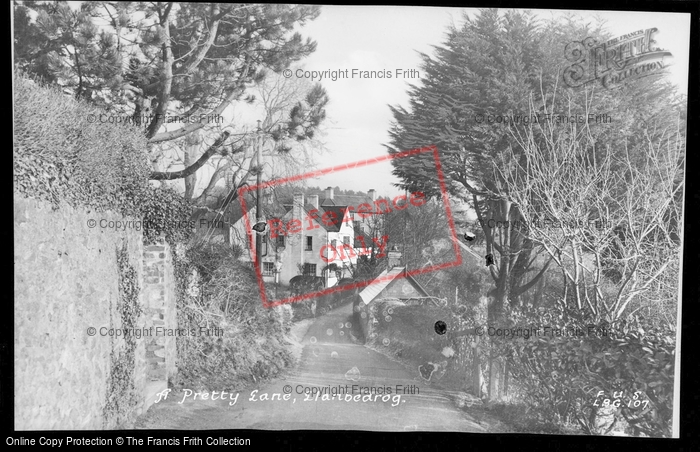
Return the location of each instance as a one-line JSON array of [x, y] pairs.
[[387, 38]]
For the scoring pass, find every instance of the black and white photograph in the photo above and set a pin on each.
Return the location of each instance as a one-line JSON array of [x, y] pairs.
[[241, 218]]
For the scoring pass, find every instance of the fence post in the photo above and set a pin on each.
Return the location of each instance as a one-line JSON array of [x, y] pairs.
[[506, 370], [476, 368], [495, 374]]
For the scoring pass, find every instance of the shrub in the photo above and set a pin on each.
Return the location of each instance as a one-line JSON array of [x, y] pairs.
[[251, 347], [633, 360]]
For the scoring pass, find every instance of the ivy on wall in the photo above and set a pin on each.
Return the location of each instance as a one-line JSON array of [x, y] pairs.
[[121, 398], [166, 214]]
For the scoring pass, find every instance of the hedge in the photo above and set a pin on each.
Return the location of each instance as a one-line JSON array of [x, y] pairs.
[[62, 152]]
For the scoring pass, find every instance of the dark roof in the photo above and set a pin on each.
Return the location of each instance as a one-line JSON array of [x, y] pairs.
[[273, 210], [345, 201]]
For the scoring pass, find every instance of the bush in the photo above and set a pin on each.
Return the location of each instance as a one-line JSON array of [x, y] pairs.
[[63, 152], [304, 309], [252, 344], [633, 361]]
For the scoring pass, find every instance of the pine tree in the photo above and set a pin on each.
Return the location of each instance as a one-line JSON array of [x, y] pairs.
[[151, 60]]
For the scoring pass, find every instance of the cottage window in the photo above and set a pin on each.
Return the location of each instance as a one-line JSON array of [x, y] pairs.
[[268, 268], [309, 269]]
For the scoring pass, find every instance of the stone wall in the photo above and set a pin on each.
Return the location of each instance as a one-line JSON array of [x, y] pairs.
[[67, 281], [160, 319]]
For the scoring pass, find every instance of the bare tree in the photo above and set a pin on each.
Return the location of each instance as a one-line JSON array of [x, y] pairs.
[[609, 218], [274, 100]]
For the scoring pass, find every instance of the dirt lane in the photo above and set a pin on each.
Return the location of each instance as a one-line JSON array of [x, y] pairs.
[[330, 352]]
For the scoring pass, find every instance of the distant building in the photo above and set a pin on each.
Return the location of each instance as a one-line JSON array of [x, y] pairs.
[[394, 283], [318, 236]]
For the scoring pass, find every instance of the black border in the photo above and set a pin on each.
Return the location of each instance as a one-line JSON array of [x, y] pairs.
[[423, 441]]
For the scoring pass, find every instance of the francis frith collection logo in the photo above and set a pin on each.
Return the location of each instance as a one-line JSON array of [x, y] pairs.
[[630, 56]]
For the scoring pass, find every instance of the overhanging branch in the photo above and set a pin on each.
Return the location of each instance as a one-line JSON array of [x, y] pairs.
[[170, 175]]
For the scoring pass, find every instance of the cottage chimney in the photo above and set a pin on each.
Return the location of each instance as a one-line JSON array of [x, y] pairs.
[[298, 208], [329, 193], [394, 257], [313, 200], [373, 194]]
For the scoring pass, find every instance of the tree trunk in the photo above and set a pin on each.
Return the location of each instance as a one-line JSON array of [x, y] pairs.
[[514, 254], [193, 142]]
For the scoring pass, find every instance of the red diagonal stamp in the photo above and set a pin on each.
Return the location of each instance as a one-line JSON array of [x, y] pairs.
[[310, 244]]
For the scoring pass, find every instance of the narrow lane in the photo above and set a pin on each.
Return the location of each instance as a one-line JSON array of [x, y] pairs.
[[373, 393]]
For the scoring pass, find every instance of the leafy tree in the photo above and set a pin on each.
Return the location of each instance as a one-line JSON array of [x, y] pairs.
[[486, 67], [66, 47], [152, 60], [500, 65]]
